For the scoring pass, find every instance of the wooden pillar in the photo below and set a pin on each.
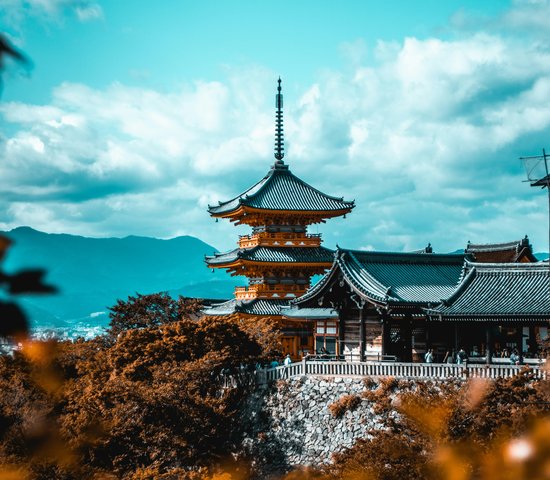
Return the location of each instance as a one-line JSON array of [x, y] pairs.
[[428, 339], [406, 335], [341, 331], [385, 334], [455, 324], [519, 342], [362, 333], [532, 342], [488, 343]]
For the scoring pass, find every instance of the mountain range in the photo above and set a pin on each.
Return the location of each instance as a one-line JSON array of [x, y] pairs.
[[92, 273]]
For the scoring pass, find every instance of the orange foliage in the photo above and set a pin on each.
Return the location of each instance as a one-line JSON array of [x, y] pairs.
[[343, 404]]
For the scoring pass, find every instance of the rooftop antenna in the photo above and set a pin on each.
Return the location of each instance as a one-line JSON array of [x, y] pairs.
[[279, 135], [536, 169]]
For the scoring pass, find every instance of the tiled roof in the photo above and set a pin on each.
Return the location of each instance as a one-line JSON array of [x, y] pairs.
[[395, 278], [509, 252], [499, 291], [309, 313], [274, 255], [257, 306], [280, 189]]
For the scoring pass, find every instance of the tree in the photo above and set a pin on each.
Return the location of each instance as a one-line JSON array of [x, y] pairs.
[[143, 311]]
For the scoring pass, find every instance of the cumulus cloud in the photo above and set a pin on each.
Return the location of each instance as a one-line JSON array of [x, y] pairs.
[[426, 139], [15, 11]]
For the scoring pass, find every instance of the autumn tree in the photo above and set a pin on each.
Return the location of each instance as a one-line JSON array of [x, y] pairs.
[[446, 430], [143, 311]]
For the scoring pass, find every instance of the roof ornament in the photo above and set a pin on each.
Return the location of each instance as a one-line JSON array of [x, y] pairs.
[[279, 135]]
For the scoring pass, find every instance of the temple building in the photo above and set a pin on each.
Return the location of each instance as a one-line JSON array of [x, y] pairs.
[[279, 257], [497, 306], [377, 305], [374, 302]]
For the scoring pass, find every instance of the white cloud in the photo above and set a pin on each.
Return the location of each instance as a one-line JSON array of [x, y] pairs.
[[426, 140], [15, 11]]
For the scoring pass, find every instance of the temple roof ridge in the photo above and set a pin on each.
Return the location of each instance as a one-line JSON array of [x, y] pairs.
[[404, 257]]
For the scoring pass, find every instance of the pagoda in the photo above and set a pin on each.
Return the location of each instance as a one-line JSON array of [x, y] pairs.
[[279, 257]]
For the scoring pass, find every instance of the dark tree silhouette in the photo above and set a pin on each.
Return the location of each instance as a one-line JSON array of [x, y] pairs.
[[13, 323], [8, 50]]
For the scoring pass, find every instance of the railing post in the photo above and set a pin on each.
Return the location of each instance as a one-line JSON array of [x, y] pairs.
[[304, 366]]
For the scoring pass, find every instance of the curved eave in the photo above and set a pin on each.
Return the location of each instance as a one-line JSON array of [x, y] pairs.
[[317, 288], [243, 210], [259, 315], [362, 282], [434, 315], [338, 266], [240, 262]]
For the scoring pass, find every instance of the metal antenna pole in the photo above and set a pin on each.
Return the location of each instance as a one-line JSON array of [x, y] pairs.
[[548, 192], [540, 178]]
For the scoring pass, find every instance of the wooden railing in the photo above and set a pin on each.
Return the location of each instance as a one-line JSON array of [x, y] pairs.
[[397, 369], [269, 291], [280, 239]]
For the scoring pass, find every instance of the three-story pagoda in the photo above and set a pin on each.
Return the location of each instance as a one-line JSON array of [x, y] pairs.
[[279, 257]]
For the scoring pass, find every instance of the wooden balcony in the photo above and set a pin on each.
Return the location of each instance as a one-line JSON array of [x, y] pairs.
[[396, 370], [270, 291], [280, 239]]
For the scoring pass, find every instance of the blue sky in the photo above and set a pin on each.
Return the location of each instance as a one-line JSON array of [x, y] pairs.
[[137, 114]]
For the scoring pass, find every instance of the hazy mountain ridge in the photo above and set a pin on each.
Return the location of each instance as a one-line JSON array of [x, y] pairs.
[[92, 273]]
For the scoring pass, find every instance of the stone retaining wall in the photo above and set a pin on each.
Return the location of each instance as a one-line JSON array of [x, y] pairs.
[[290, 423]]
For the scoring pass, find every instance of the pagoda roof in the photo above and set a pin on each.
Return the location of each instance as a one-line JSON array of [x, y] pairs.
[[281, 190], [499, 291], [509, 252], [393, 278], [274, 255], [257, 306]]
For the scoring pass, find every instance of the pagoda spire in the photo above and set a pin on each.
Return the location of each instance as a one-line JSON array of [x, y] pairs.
[[279, 135]]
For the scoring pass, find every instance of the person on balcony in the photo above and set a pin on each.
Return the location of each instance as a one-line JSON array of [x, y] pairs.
[[461, 357], [429, 357], [514, 357]]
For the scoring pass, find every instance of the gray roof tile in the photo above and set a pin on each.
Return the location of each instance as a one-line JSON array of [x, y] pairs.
[[396, 278], [500, 290], [274, 254], [257, 306], [280, 189]]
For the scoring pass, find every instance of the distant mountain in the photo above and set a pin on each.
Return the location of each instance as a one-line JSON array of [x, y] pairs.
[[92, 273]]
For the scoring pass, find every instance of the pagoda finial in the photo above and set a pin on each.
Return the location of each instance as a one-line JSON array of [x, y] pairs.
[[279, 135]]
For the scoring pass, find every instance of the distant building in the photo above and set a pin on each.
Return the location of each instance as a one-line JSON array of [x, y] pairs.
[[280, 256], [511, 252]]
